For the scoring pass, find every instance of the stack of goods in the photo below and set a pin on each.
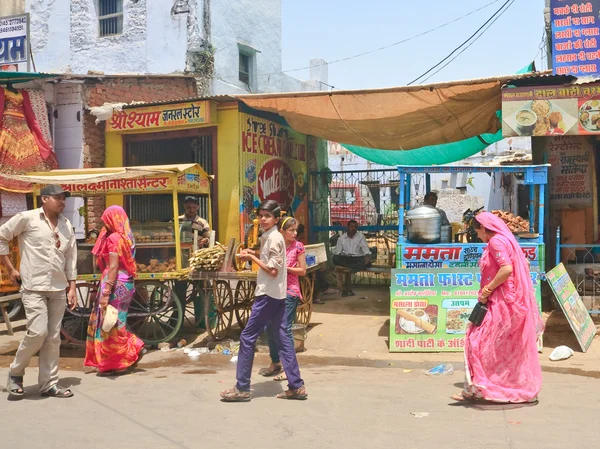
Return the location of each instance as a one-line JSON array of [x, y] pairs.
[[514, 222], [156, 266], [208, 259], [155, 237]]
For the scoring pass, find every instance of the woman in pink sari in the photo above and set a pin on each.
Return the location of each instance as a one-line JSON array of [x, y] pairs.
[[501, 357]]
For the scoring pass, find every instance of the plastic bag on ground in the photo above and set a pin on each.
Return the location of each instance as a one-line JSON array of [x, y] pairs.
[[561, 353], [444, 368]]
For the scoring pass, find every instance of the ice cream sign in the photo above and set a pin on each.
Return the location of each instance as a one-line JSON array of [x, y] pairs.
[[276, 182]]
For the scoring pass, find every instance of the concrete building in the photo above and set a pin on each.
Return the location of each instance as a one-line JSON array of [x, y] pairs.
[[229, 46]]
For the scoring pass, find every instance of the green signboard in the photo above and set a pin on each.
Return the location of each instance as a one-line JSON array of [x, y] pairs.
[[572, 306], [430, 308]]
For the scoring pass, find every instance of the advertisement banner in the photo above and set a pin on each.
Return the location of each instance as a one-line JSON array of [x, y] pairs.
[[430, 308], [453, 255], [272, 167], [572, 306], [163, 116], [14, 43], [571, 172], [575, 37], [551, 110]]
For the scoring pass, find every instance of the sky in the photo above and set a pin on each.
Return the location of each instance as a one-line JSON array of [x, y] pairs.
[[334, 29]]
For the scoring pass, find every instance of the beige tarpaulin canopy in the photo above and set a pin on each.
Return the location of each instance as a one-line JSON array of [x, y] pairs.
[[399, 118]]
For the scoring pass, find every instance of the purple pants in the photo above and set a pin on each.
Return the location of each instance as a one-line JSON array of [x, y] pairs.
[[267, 310]]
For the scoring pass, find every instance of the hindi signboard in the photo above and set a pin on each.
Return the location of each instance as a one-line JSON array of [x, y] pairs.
[[14, 43], [156, 118], [572, 306], [430, 308], [575, 37], [551, 110], [570, 177]]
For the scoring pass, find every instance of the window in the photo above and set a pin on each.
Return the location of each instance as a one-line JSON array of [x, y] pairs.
[[245, 68], [110, 17]]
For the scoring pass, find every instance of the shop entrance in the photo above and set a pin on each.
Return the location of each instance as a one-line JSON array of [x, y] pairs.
[[179, 147]]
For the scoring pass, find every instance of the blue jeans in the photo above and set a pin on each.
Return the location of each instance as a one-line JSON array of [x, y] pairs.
[[291, 304], [267, 310]]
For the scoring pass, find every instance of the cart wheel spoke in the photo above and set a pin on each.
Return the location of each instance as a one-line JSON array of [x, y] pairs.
[[75, 322], [244, 295], [218, 327], [162, 309]]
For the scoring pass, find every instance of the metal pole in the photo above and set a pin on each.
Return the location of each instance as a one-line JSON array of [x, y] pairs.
[[401, 203], [532, 207]]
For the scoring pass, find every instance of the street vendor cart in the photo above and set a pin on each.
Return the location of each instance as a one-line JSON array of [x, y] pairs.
[[436, 281], [232, 290], [156, 314]]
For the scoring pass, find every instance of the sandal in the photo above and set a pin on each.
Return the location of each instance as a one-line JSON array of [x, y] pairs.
[[15, 385], [280, 377], [270, 371], [300, 394], [56, 392], [462, 397], [235, 395]]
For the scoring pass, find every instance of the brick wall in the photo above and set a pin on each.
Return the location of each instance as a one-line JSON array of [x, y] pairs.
[[121, 90]]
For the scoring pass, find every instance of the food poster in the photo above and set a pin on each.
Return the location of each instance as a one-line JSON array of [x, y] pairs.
[[572, 306], [570, 176], [551, 110], [273, 167], [430, 309]]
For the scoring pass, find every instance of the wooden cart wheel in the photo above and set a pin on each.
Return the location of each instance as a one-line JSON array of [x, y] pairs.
[[155, 313], [237, 263], [244, 296], [14, 307], [304, 310], [219, 325], [75, 322]]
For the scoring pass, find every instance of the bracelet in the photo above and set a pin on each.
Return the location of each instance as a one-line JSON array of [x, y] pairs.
[[488, 290], [110, 283]]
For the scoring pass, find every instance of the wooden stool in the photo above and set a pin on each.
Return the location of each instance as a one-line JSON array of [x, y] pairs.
[[4, 302]]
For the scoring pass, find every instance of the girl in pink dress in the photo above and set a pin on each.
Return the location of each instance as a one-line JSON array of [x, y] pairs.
[[501, 356], [296, 266]]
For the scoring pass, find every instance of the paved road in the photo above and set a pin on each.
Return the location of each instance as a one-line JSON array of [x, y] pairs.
[[178, 407]]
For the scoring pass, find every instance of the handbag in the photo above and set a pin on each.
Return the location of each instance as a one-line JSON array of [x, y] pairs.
[[478, 313], [110, 318]]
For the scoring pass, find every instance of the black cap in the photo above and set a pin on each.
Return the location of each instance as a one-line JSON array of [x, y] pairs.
[[191, 199], [54, 189]]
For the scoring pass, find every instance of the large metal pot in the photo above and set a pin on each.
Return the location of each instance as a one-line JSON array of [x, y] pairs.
[[423, 224]]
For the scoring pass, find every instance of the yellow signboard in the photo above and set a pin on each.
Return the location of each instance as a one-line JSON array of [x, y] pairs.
[[191, 181], [160, 117]]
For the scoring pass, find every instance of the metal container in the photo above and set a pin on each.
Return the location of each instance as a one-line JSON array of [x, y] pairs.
[[446, 234], [423, 224]]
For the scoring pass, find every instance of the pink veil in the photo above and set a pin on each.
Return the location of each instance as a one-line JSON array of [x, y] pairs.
[[520, 266]]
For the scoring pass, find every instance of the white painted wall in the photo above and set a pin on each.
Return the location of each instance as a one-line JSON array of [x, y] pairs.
[[65, 38]]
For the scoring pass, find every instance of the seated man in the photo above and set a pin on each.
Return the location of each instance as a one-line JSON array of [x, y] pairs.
[[431, 200], [352, 252]]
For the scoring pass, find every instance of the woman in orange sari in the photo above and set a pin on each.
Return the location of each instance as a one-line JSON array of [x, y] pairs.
[[22, 144], [116, 351]]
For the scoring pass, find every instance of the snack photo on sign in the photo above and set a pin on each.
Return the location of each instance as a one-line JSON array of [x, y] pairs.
[[589, 115], [416, 320], [541, 117], [456, 320]]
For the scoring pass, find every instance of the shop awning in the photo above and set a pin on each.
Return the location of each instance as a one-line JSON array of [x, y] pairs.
[[22, 77], [399, 118], [96, 175]]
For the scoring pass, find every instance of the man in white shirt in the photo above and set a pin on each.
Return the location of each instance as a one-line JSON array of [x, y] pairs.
[[351, 251], [47, 271]]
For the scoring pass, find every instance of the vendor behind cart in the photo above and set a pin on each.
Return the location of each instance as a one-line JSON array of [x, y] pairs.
[[191, 205], [431, 199]]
